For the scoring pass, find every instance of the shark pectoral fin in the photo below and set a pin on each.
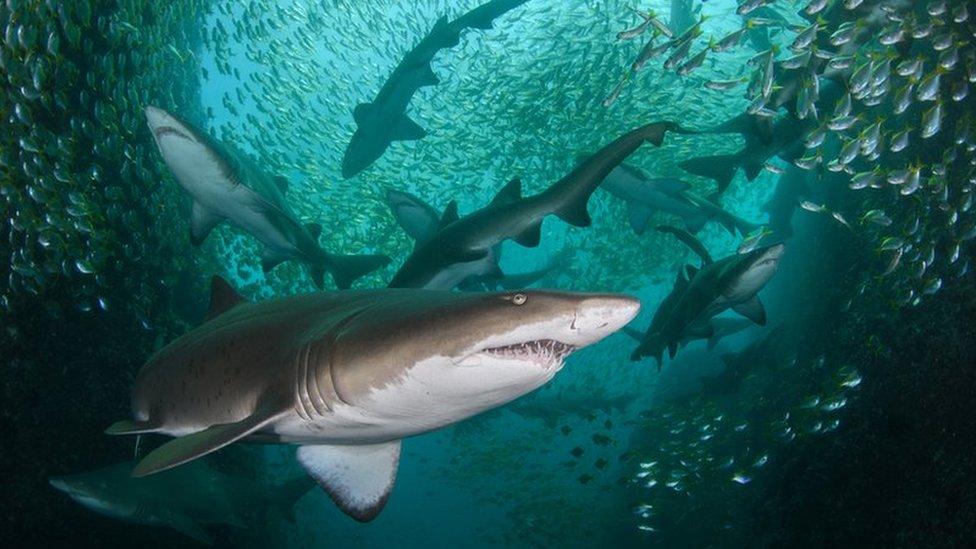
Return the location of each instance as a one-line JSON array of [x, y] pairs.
[[223, 297], [530, 237], [752, 309], [407, 130], [130, 427], [187, 526], [202, 221], [361, 112], [357, 478], [189, 447], [511, 192], [638, 216], [427, 76]]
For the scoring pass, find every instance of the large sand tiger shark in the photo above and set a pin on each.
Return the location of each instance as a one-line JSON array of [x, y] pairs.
[[226, 186], [346, 375]]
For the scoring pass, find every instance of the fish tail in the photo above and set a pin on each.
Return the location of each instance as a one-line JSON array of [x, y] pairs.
[[345, 269]]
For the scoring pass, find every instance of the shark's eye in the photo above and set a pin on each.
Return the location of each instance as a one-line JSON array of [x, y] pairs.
[[519, 299]]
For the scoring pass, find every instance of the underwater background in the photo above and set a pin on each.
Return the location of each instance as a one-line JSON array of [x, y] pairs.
[[845, 419]]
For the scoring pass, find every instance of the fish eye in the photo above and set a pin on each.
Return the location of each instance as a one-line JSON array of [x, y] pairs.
[[519, 299]]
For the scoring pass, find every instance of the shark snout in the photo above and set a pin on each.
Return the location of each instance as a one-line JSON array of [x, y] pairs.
[[598, 316]]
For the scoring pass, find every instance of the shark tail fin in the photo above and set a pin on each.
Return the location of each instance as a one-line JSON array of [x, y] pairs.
[[346, 269], [720, 168]]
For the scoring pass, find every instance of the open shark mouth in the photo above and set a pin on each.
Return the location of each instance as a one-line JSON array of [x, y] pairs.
[[545, 352]]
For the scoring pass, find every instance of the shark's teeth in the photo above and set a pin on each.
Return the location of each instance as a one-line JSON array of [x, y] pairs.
[[545, 352]]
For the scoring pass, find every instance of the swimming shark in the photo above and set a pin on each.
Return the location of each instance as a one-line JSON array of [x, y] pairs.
[[645, 195], [732, 282], [184, 499], [551, 409], [772, 350], [384, 120], [227, 186], [420, 221], [782, 137], [712, 331], [443, 261], [347, 375]]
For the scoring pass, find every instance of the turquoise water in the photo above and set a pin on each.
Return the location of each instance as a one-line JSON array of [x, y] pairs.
[[723, 441]]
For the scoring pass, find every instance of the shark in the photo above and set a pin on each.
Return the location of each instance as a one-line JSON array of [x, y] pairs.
[[768, 350], [185, 499], [644, 195], [702, 293], [712, 331], [346, 375], [384, 120], [764, 139], [551, 409], [227, 186], [445, 259], [420, 221]]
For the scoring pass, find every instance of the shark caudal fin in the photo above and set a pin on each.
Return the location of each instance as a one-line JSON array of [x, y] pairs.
[[720, 168], [345, 269]]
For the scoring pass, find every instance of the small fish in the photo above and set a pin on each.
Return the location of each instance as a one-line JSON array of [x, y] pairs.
[[585, 478], [899, 140], [843, 123], [752, 240], [694, 62], [749, 6], [840, 219], [864, 179], [730, 40], [797, 61], [805, 37], [577, 452], [678, 55], [932, 121], [725, 85], [741, 478], [648, 52], [601, 463], [891, 243], [773, 168], [928, 88], [841, 62], [811, 207], [815, 7], [565, 430], [878, 217], [636, 31]]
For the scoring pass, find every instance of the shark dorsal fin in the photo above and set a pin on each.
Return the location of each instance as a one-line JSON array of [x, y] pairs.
[[511, 192], [449, 216], [281, 183], [223, 297]]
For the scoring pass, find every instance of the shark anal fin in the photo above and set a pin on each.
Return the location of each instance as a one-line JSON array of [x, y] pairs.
[[189, 447], [130, 427], [202, 221], [638, 216], [223, 297], [357, 478], [407, 130], [530, 237], [752, 309]]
